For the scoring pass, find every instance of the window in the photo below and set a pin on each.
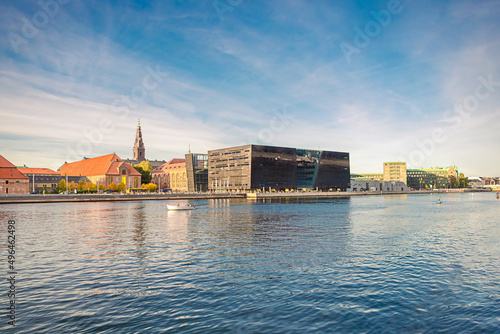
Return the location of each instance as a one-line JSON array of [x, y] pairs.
[[7, 182]]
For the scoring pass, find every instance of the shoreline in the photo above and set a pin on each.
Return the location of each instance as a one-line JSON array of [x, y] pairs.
[[33, 199]]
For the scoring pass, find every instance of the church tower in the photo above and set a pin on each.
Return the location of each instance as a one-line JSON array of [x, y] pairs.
[[139, 150]]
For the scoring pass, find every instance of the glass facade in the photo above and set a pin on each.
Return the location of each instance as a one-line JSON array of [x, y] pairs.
[[274, 167], [258, 167], [421, 179], [334, 171], [197, 172]]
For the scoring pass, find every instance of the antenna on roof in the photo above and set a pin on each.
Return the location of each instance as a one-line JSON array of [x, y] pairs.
[[139, 123]]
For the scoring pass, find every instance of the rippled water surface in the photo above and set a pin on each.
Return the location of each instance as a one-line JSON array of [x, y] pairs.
[[375, 264]]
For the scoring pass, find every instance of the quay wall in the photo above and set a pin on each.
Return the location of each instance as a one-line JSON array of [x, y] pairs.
[[14, 199]]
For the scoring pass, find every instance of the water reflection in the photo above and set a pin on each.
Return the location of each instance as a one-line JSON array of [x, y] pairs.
[[262, 266]]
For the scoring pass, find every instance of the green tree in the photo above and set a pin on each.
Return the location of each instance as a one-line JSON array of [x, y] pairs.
[[92, 187], [145, 175], [145, 166], [464, 182], [62, 185], [453, 182], [121, 187]]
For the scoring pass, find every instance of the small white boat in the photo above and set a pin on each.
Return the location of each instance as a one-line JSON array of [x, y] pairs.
[[179, 207]]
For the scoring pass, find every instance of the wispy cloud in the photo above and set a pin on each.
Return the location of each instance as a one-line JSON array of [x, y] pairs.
[[226, 78]]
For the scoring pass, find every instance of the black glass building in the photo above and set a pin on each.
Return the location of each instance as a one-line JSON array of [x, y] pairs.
[[253, 167]]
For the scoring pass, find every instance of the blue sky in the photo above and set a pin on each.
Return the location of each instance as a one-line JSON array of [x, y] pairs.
[[417, 81]]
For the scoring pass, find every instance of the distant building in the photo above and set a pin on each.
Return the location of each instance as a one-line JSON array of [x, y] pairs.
[[368, 177], [491, 181], [45, 179], [386, 186], [257, 167], [139, 151], [171, 175], [422, 179], [104, 170], [395, 172], [476, 182], [197, 172], [12, 181], [431, 178], [448, 172]]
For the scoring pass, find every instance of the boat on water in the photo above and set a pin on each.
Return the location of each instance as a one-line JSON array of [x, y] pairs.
[[179, 207]]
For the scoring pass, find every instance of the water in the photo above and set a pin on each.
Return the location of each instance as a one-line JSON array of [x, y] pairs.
[[377, 264]]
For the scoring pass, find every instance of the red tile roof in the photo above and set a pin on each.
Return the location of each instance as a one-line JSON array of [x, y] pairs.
[[104, 165], [27, 170], [5, 163], [9, 171], [174, 163]]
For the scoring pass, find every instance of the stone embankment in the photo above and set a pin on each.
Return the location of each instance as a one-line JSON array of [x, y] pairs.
[[12, 199]]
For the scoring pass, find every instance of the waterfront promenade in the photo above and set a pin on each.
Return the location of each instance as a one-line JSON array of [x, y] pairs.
[[13, 199]]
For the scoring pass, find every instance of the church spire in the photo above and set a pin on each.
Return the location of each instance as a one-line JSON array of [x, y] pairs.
[[139, 150]]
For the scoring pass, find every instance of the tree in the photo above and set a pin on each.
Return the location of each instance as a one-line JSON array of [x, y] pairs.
[[464, 182], [62, 185], [113, 186], [92, 187], [121, 187], [145, 175], [145, 166], [152, 187], [453, 182]]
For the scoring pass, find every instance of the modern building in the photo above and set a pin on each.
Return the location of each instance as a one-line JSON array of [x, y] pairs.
[[448, 172], [104, 170], [431, 178], [395, 172], [422, 179], [44, 179], [171, 175], [197, 172], [12, 181], [258, 167], [139, 151]]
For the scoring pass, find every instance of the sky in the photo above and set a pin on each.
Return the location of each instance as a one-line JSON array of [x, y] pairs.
[[414, 81]]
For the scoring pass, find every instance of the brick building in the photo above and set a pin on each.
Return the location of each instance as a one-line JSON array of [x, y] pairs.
[[171, 175], [12, 181], [104, 170]]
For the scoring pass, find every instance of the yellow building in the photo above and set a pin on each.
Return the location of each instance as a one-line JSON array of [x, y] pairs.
[[171, 175], [395, 171], [443, 171]]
